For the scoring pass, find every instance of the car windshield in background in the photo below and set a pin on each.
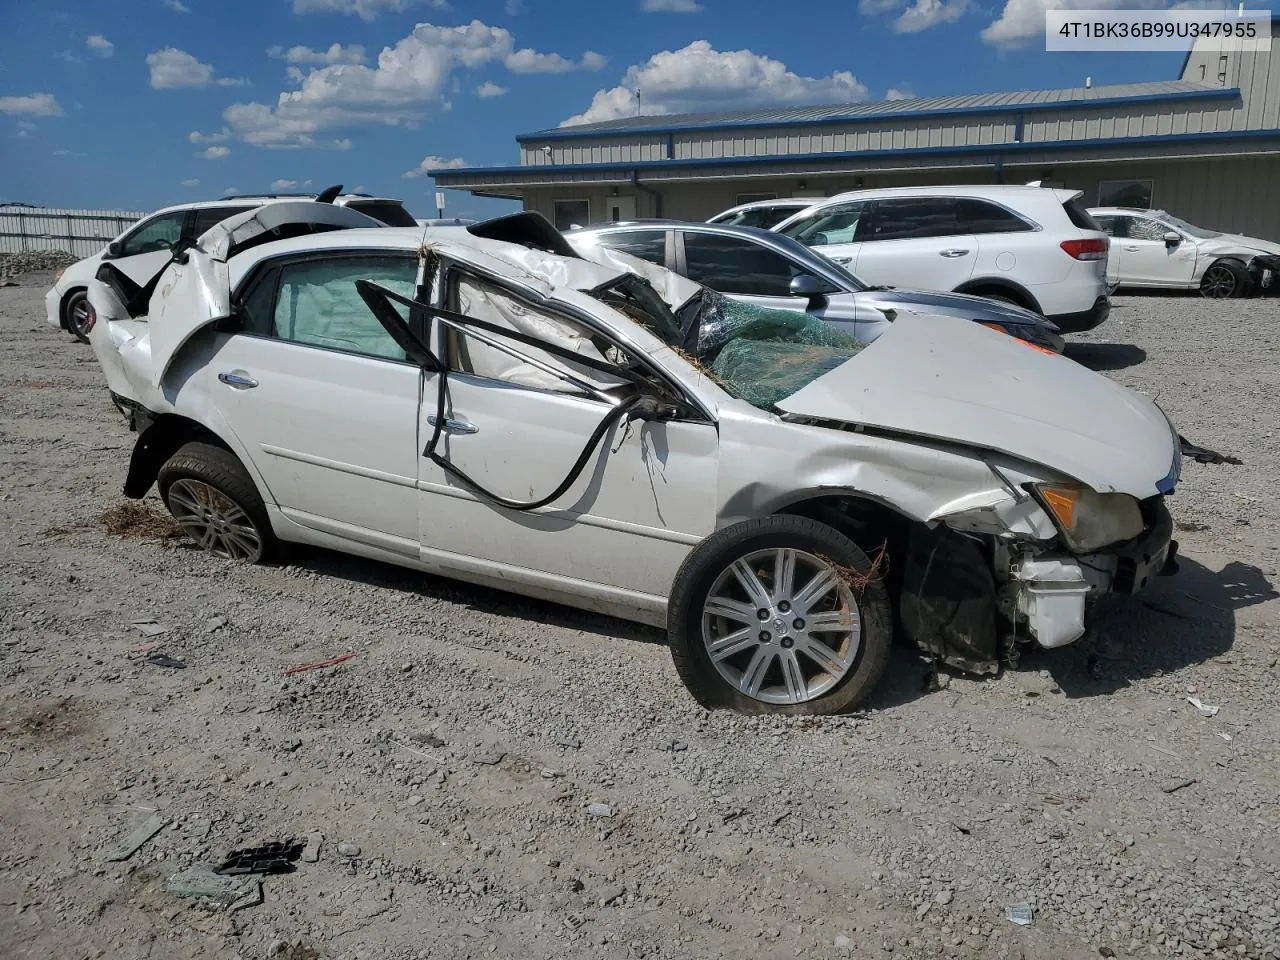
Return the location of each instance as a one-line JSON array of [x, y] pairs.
[[1200, 233], [762, 217], [820, 264], [390, 212]]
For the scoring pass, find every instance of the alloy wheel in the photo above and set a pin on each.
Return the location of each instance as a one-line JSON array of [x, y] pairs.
[[214, 521], [781, 626], [1218, 283], [81, 317]]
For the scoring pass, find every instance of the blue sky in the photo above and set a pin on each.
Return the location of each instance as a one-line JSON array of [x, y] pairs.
[[142, 103]]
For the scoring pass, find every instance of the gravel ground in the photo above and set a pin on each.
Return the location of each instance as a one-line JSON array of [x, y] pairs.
[[492, 776]]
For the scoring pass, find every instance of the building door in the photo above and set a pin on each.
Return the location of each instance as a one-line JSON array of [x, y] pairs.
[[620, 208]]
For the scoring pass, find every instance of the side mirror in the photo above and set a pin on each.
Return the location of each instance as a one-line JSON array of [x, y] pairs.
[[1173, 238], [811, 288], [113, 248]]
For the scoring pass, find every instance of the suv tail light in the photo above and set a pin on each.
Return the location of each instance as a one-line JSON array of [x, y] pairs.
[[1092, 249]]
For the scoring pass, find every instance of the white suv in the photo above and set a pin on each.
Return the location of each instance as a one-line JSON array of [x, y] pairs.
[[1033, 246], [142, 250]]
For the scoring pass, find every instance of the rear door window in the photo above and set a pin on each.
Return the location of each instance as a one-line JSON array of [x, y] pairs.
[[317, 304], [736, 265], [914, 218], [982, 216], [1079, 215], [648, 245]]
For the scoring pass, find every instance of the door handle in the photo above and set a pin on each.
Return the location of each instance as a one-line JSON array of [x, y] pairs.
[[241, 380], [842, 260], [952, 253], [454, 426], [1133, 249]]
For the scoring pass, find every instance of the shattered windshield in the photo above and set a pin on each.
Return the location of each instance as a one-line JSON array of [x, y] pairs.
[[757, 354], [1200, 233]]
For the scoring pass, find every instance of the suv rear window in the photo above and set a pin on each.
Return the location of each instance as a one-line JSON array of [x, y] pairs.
[[390, 212], [212, 216], [1079, 215]]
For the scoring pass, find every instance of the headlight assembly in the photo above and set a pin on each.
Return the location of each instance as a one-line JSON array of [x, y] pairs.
[[1089, 520]]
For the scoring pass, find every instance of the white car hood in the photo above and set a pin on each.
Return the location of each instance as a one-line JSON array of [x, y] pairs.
[[961, 383], [1234, 243]]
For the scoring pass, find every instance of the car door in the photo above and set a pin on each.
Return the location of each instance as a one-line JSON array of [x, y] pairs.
[[1147, 258], [143, 251], [750, 271], [916, 242], [832, 230], [322, 398], [517, 419]]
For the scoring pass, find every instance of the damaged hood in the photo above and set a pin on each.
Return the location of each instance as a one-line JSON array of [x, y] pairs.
[[674, 289], [961, 383], [1234, 243]]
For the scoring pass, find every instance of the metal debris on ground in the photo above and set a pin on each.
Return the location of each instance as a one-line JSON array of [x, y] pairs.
[[319, 664], [149, 628], [201, 881], [276, 857], [1019, 913], [1206, 709], [600, 810], [130, 845], [157, 659], [252, 897]]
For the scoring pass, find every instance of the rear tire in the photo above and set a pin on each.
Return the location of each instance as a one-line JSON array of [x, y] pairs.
[[823, 640], [215, 502], [78, 314], [1225, 279]]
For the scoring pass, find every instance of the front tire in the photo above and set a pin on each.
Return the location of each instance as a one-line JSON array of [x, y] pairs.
[[79, 315], [215, 502], [1224, 279], [779, 615]]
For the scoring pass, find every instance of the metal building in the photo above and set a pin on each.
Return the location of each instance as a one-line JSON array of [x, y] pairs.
[[1205, 147]]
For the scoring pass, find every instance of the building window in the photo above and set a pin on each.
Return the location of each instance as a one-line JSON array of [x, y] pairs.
[[754, 198], [1125, 193], [569, 213]]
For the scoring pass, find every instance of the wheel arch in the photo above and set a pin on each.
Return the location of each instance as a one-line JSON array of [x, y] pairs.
[[160, 439], [977, 286], [65, 302]]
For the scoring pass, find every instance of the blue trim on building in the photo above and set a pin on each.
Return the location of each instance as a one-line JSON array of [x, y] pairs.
[[992, 149], [571, 133]]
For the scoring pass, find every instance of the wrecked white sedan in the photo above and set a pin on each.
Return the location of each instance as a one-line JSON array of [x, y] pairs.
[[483, 403]]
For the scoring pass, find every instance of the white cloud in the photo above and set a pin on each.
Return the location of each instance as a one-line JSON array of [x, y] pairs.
[[36, 105], [68, 153], [172, 69], [230, 190], [364, 9], [699, 77], [489, 89], [100, 45], [924, 14], [193, 182], [66, 56], [1022, 21], [514, 8], [177, 6], [336, 53], [214, 153], [900, 93], [433, 163], [872, 7], [222, 136], [283, 184], [670, 6], [593, 61], [410, 78]]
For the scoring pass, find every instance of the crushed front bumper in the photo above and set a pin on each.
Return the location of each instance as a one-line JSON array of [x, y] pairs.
[[1051, 592], [53, 307], [1265, 270]]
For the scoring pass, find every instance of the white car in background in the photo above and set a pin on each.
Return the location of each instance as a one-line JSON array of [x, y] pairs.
[[1033, 246], [764, 214], [1153, 249], [142, 250], [484, 403]]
